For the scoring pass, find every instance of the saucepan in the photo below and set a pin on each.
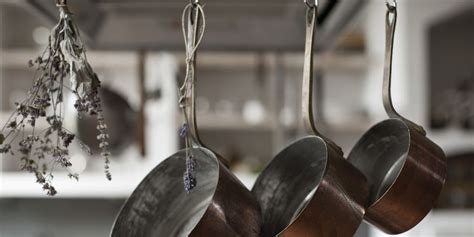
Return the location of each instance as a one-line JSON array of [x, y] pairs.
[[406, 171], [309, 189], [215, 203]]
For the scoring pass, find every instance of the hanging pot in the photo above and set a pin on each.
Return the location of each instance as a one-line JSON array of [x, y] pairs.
[[218, 205], [406, 171], [309, 189]]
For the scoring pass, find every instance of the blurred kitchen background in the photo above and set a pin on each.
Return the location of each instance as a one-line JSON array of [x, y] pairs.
[[249, 83]]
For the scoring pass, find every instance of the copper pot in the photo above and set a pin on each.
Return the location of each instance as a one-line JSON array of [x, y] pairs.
[[219, 204], [309, 189], [406, 171]]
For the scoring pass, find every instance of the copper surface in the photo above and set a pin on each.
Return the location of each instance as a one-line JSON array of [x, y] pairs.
[[405, 170], [219, 205], [309, 189]]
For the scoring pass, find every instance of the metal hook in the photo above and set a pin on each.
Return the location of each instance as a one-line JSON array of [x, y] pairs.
[[391, 4], [311, 5], [61, 3], [194, 2]]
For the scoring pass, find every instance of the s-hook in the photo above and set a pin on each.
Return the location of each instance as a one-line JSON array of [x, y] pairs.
[[311, 4], [194, 2], [391, 4], [61, 3]]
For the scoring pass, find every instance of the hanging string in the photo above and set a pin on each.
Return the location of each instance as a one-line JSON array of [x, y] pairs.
[[193, 27]]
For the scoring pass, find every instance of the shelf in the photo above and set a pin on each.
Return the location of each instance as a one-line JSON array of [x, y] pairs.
[[99, 59], [356, 126], [23, 185], [326, 61], [212, 122], [453, 141], [106, 59], [331, 61], [442, 223], [92, 185]]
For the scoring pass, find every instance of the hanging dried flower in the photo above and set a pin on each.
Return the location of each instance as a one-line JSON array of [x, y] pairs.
[[62, 68], [189, 176], [183, 131]]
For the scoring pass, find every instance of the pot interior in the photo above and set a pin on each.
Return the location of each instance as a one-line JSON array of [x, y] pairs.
[[160, 206], [289, 182], [380, 155]]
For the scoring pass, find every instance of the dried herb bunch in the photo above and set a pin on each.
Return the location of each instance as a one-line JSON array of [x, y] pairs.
[[42, 151]]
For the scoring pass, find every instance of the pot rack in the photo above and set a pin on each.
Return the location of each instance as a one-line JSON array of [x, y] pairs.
[[243, 25]]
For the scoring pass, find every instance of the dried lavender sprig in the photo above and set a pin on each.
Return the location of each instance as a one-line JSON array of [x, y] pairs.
[[189, 177], [183, 131], [64, 56]]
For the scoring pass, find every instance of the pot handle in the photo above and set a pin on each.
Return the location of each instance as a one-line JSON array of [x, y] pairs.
[[390, 25], [308, 88], [194, 24]]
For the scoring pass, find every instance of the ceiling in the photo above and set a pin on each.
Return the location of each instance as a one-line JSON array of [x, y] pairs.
[[231, 25]]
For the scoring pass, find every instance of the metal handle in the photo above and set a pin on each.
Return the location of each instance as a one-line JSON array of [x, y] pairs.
[[193, 33], [391, 22], [308, 90], [194, 17]]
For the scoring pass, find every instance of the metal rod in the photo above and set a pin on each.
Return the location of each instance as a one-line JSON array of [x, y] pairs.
[[141, 133]]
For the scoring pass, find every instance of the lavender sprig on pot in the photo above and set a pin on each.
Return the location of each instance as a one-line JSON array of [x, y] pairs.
[[183, 131], [189, 177], [62, 68]]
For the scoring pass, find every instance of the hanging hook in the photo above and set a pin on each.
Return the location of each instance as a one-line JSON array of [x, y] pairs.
[[61, 3], [391, 5], [311, 5], [194, 2]]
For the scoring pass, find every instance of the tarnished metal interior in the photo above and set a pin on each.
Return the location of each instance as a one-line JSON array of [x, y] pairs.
[[380, 155], [160, 206], [287, 184]]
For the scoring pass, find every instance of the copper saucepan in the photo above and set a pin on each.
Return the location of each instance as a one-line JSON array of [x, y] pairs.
[[406, 171], [309, 189], [219, 204]]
